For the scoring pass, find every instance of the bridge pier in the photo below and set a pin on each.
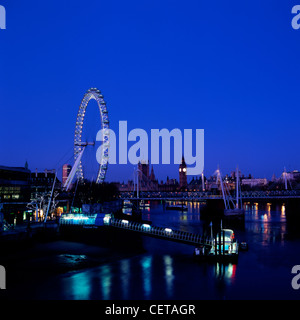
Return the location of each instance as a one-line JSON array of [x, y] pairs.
[[214, 208], [292, 213]]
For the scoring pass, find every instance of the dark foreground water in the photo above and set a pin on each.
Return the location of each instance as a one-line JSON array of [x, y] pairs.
[[167, 269]]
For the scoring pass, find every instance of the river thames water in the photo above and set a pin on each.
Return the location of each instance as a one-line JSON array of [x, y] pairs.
[[167, 270]]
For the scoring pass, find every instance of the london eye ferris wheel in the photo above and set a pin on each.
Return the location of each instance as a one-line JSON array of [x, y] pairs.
[[80, 143]]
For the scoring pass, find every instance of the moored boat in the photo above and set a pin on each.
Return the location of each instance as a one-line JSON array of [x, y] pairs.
[[224, 247], [176, 207]]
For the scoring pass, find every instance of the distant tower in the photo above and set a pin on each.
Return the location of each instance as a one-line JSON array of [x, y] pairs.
[[152, 175], [143, 168], [66, 171], [182, 174]]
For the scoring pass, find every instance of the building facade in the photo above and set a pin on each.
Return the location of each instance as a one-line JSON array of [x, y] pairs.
[[254, 182], [65, 173], [147, 181], [15, 187]]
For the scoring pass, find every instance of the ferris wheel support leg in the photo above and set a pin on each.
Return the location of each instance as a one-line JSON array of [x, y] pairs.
[[73, 171]]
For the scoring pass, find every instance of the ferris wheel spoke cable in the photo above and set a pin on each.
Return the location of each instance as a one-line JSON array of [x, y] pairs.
[[59, 165]]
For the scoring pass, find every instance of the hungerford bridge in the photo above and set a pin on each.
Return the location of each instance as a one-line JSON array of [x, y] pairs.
[[202, 196]]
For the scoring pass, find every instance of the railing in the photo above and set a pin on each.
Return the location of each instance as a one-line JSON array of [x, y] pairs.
[[198, 195], [165, 233]]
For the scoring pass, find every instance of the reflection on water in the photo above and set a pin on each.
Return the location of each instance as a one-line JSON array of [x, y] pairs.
[[146, 262], [182, 220], [106, 281], [283, 211], [167, 270], [125, 277], [267, 212], [270, 224], [90, 284], [192, 214], [225, 271], [169, 276], [80, 286]]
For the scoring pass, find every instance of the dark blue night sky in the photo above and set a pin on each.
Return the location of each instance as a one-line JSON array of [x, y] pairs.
[[228, 67]]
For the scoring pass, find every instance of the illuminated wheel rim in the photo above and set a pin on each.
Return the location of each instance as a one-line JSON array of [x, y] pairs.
[[95, 94]]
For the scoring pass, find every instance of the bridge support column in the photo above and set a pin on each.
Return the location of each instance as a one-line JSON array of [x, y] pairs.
[[214, 209], [292, 213]]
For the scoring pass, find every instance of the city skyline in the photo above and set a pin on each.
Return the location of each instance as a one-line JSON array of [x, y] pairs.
[[158, 66], [62, 175]]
